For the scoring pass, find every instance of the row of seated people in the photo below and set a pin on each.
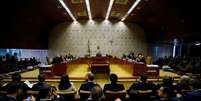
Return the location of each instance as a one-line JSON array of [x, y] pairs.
[[138, 58], [91, 91], [10, 63], [180, 64]]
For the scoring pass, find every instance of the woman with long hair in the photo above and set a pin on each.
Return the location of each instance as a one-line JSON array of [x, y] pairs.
[[65, 84]]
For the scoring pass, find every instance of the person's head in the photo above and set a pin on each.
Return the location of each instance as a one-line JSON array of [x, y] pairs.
[[113, 78], [64, 82], [90, 77], [143, 78], [96, 93], [14, 89], [195, 84], [41, 78], [4, 58], [16, 77], [167, 80], [165, 92], [185, 79], [64, 78]]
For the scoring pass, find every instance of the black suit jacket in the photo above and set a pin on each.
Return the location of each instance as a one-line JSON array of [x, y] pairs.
[[87, 86], [38, 86], [113, 87], [192, 96], [7, 98], [22, 84], [143, 86]]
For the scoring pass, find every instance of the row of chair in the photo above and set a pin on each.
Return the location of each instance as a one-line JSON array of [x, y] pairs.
[[144, 95], [83, 95]]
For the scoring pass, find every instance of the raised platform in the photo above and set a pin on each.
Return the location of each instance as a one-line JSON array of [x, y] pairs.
[[102, 64], [78, 69]]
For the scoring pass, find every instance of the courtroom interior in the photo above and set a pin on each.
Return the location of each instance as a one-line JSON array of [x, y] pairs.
[[100, 50]]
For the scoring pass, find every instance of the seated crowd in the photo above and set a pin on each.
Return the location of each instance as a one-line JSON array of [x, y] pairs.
[[9, 63], [138, 58], [182, 64], [61, 58], [187, 89]]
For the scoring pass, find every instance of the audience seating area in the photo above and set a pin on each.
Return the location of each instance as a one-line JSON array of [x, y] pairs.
[[137, 93]]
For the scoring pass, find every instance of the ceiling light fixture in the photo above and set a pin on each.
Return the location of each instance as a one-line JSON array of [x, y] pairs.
[[197, 43], [109, 9], [67, 9], [88, 9], [131, 9]]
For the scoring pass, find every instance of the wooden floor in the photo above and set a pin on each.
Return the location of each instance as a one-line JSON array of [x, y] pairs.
[[80, 70]]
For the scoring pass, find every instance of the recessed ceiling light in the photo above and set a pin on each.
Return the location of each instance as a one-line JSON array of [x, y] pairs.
[[131, 9], [197, 43], [67, 9], [88, 9], [109, 9]]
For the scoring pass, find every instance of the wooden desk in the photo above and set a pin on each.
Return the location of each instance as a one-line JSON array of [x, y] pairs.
[[60, 69], [153, 70], [102, 64], [139, 69], [100, 68], [45, 69]]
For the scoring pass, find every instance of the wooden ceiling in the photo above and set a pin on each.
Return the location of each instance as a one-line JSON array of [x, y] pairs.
[[161, 19]]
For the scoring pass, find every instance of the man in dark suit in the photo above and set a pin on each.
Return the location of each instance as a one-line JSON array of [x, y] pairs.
[[166, 93], [48, 93], [144, 85], [113, 86], [86, 87], [89, 84], [13, 91], [40, 84], [195, 95], [16, 78]]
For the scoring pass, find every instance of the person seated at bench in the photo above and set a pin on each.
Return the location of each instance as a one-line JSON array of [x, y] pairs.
[[96, 94], [142, 90], [41, 83], [183, 84], [166, 93], [49, 93], [167, 82], [143, 84], [65, 84], [14, 90], [87, 86], [195, 95], [113, 86], [16, 78]]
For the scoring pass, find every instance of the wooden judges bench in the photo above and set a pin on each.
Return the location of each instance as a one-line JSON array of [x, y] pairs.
[[102, 64]]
